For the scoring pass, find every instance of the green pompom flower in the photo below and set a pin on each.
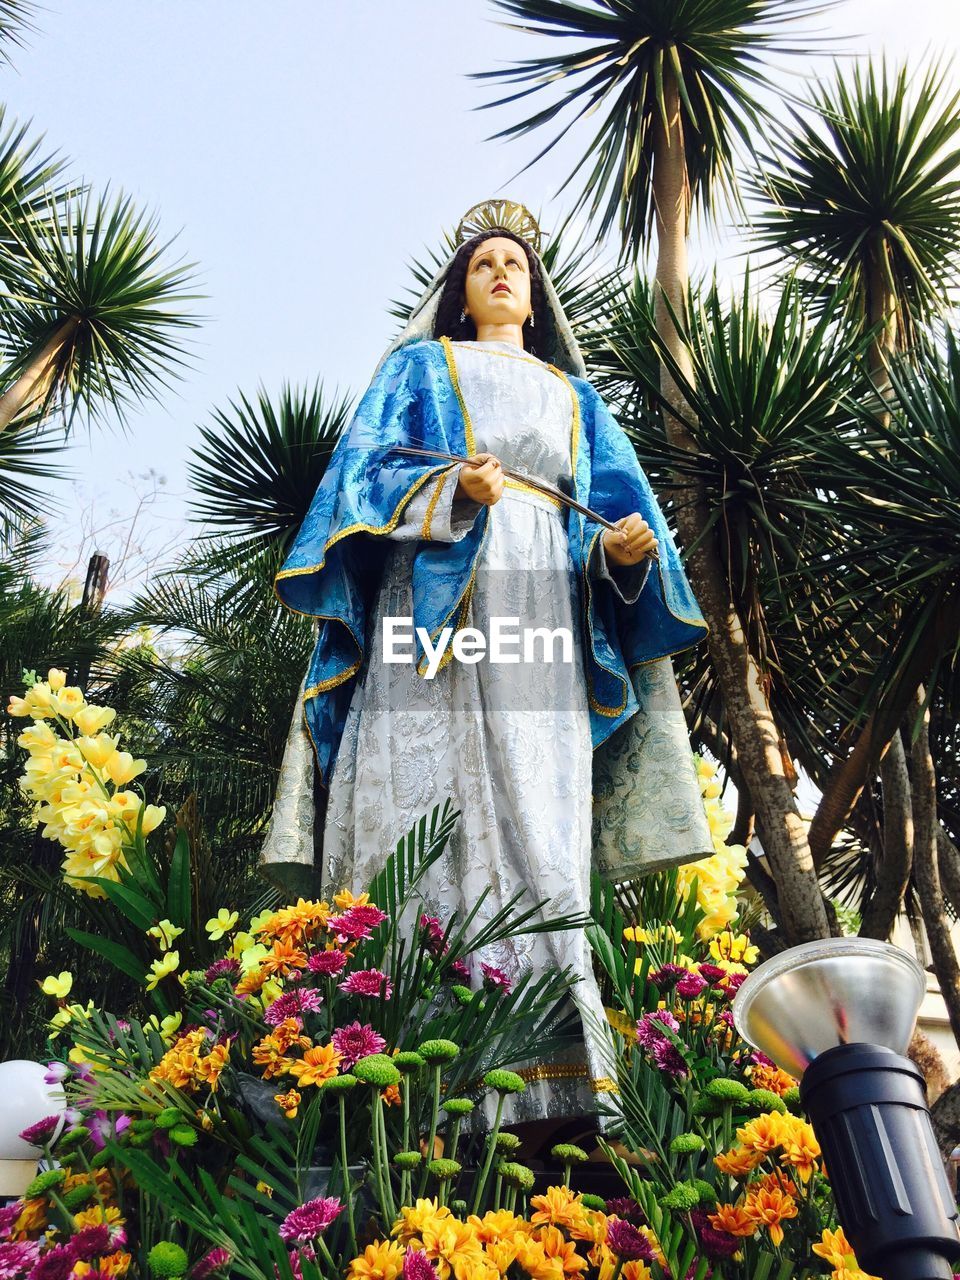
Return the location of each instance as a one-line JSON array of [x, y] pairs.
[[77, 1197], [685, 1144], [708, 1194], [727, 1091], [44, 1182], [73, 1138], [437, 1051], [569, 1153], [167, 1260], [444, 1169], [458, 1106], [684, 1196], [408, 1159], [507, 1141], [101, 1159], [146, 1124], [408, 1061], [341, 1084], [183, 1135], [792, 1100], [504, 1081], [766, 1100], [596, 1203], [164, 1119], [458, 1208], [462, 995], [704, 1105], [516, 1175], [378, 1070]]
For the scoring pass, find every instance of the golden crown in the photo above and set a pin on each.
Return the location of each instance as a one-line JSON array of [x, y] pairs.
[[500, 215]]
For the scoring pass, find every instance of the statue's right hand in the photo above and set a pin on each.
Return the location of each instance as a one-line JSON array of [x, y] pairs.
[[481, 480]]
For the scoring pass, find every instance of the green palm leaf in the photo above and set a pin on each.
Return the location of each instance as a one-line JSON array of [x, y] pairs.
[[621, 52]]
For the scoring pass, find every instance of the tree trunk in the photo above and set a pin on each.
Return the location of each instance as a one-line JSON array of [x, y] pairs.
[[948, 861], [33, 384], [927, 875], [893, 870], [749, 716]]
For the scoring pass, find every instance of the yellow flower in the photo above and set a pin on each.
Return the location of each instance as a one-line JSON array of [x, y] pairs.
[[414, 1219], [32, 1218], [223, 922], [800, 1147], [59, 986], [738, 1162], [165, 933], [38, 738], [765, 1133], [288, 1103], [735, 1219], [56, 679], [736, 947], [90, 720], [168, 963], [317, 1065], [770, 1207], [240, 942], [382, 1260], [558, 1206], [122, 768], [153, 815], [97, 751], [67, 702]]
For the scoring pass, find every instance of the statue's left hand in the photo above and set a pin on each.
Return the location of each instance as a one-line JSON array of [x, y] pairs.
[[631, 541]]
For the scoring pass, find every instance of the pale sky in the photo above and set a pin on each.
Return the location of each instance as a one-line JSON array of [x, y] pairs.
[[305, 151]]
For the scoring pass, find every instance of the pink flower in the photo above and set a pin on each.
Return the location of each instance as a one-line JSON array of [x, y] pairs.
[[296, 1257], [627, 1242], [459, 971], [667, 976], [417, 1266], [215, 1260], [625, 1207], [651, 1025], [326, 962], [55, 1264], [733, 983], [495, 979], [226, 968], [355, 1042], [713, 974], [716, 1244], [690, 986], [36, 1135], [432, 927], [357, 923], [367, 982], [669, 1059], [293, 1005], [91, 1242], [15, 1259], [56, 1072], [104, 1127], [310, 1220], [9, 1213]]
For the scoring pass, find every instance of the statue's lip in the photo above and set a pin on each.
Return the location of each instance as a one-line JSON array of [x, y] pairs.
[[497, 288]]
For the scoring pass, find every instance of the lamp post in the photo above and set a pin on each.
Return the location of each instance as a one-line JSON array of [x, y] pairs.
[[839, 1014]]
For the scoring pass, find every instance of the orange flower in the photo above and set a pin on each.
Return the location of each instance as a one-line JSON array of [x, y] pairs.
[[380, 1261], [272, 1052], [251, 982], [772, 1078], [764, 1134], [209, 1067], [738, 1162], [558, 1249], [32, 1218], [392, 1096], [735, 1219], [288, 1103], [800, 1148], [284, 959], [294, 924], [558, 1206], [93, 1217], [317, 1064], [771, 1207]]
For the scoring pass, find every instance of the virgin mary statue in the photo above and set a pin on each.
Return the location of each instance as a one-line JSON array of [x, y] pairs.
[[556, 767]]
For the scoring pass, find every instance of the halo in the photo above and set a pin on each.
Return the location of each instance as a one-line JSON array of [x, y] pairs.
[[500, 215]]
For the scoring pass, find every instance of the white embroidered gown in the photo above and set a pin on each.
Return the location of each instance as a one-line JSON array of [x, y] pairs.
[[510, 744]]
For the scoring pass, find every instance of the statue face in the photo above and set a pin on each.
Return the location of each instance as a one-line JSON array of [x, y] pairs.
[[497, 286]]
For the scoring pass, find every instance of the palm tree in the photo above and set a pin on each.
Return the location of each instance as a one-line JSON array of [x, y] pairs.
[[677, 79]]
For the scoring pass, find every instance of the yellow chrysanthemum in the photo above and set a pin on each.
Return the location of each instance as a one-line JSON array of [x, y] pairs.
[[382, 1260]]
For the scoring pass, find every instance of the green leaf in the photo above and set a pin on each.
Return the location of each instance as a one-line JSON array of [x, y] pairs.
[[178, 884], [120, 957]]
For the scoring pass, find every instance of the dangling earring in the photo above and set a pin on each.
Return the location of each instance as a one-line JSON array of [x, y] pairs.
[[463, 317], [531, 319]]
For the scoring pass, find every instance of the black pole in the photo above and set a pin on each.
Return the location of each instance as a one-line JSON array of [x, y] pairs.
[[868, 1109]]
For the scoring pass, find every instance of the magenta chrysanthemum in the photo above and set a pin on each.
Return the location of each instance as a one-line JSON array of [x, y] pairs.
[[215, 1260], [91, 1242], [459, 971], [357, 923], [294, 1004], [495, 978], [433, 931], [627, 1242], [716, 1244], [651, 1026], [690, 986], [713, 973], [355, 1042], [669, 1059], [417, 1266], [733, 983], [625, 1207], [55, 1264], [37, 1134], [225, 968], [310, 1220], [667, 976], [327, 963], [16, 1259], [368, 982], [9, 1213]]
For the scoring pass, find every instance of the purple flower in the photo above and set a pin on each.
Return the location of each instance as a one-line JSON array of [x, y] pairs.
[[56, 1264], [759, 1059], [225, 968], [104, 1127], [326, 962], [9, 1213], [667, 976], [669, 1059], [733, 983], [433, 929], [627, 1242], [296, 1257], [355, 1042], [310, 1220], [293, 1005], [495, 979], [56, 1072], [713, 974], [690, 986], [215, 1260], [91, 1242], [651, 1025], [367, 982], [37, 1135], [459, 971], [625, 1207], [17, 1258], [716, 1244], [357, 923], [417, 1266]]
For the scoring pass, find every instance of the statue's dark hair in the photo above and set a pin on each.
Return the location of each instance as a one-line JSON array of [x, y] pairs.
[[538, 340]]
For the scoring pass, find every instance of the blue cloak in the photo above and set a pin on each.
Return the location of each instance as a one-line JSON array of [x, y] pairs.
[[334, 567]]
